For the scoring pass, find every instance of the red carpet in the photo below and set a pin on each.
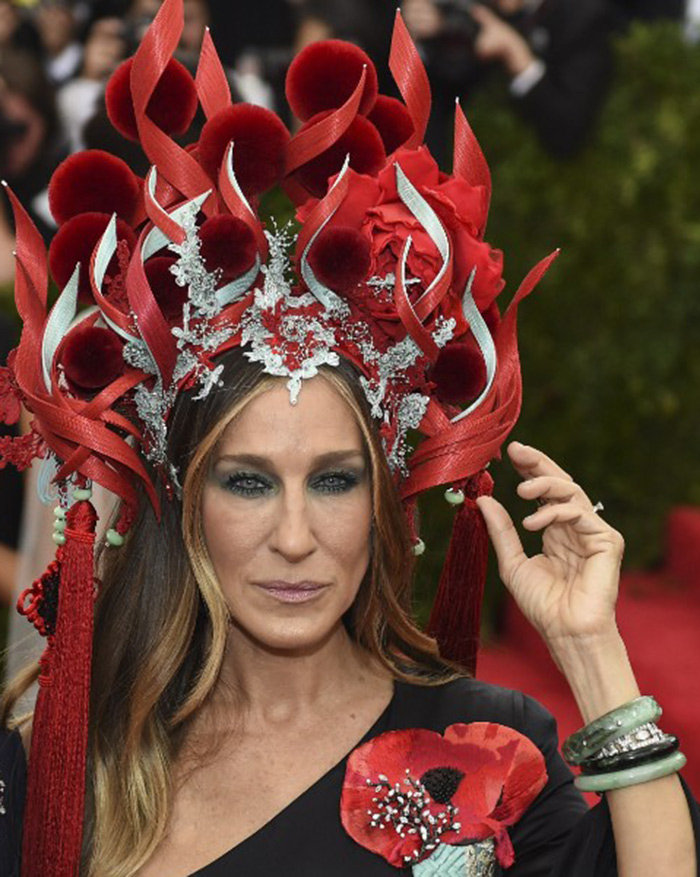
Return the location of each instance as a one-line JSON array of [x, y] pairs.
[[659, 617]]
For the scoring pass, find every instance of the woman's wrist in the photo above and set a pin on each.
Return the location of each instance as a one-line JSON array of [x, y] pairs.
[[598, 671]]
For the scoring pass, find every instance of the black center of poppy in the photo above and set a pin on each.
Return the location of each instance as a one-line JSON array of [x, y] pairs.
[[442, 783]]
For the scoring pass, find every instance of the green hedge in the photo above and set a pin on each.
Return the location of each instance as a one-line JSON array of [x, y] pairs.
[[610, 342]]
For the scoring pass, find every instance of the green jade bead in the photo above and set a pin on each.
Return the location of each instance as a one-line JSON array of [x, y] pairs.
[[59, 512], [59, 538], [419, 548], [632, 776], [59, 525], [454, 497], [82, 494], [113, 538], [591, 739]]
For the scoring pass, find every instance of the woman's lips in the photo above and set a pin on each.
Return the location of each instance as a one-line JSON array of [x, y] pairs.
[[292, 592]]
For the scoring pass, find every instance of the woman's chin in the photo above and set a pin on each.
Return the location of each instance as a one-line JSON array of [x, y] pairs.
[[300, 636]]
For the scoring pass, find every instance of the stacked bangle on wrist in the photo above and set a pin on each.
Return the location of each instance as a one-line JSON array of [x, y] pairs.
[[624, 747], [618, 722], [630, 757]]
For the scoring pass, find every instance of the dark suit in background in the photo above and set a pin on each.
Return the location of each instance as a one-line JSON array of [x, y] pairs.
[[571, 38], [650, 9]]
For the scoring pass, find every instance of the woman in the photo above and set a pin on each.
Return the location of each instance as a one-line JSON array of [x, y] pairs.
[[285, 511], [260, 700]]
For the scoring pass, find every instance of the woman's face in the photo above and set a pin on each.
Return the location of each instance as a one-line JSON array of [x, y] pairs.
[[287, 511]]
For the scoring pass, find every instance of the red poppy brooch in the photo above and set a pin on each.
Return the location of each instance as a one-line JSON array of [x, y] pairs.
[[439, 803]]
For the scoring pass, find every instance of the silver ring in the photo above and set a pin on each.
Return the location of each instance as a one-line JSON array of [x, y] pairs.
[[598, 507]]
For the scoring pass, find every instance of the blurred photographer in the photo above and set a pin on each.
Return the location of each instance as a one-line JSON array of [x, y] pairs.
[[30, 146], [556, 55], [106, 45]]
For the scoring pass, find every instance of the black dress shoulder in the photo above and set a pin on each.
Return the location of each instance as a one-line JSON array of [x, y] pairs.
[[557, 836]]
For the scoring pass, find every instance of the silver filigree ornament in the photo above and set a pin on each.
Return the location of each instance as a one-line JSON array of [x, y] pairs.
[[281, 332], [197, 338], [386, 389], [410, 413]]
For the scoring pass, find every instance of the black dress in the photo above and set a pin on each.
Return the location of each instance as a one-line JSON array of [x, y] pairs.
[[558, 836]]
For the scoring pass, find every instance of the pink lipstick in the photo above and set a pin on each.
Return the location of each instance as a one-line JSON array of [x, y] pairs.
[[292, 592]]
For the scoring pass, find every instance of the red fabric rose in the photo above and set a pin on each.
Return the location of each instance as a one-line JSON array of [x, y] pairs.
[[465, 786], [373, 206]]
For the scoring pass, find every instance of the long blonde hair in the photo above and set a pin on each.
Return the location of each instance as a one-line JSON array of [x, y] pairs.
[[161, 625]]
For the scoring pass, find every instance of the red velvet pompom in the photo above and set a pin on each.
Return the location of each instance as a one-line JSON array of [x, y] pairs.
[[259, 140], [228, 243], [340, 258], [325, 74], [170, 296], [93, 180], [393, 121], [92, 357], [172, 105], [75, 241], [459, 373], [361, 140]]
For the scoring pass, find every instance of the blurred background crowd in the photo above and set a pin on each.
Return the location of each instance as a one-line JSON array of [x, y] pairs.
[[589, 114], [56, 56]]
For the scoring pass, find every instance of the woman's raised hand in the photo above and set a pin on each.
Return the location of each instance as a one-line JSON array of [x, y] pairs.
[[568, 591]]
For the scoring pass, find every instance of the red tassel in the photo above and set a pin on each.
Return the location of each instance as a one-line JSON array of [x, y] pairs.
[[456, 616], [53, 828]]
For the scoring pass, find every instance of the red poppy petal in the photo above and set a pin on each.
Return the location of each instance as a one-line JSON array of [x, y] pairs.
[[521, 766], [388, 755]]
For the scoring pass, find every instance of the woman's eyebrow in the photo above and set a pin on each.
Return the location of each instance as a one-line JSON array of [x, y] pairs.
[[262, 462]]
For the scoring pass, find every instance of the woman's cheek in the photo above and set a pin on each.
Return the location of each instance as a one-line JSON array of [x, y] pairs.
[[232, 532], [345, 528]]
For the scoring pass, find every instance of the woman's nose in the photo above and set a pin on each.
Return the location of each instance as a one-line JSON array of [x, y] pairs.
[[293, 536]]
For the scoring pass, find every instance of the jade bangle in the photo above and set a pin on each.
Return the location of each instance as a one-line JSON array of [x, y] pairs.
[[633, 776], [591, 739], [625, 760]]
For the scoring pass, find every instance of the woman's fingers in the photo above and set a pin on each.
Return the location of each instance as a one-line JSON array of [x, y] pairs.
[[559, 513], [583, 522], [550, 488], [503, 535], [531, 463]]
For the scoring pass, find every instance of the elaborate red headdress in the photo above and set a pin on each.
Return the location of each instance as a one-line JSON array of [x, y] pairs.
[[390, 270]]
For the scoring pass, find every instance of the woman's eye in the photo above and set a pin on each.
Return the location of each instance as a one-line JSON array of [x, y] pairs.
[[247, 485], [335, 482]]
